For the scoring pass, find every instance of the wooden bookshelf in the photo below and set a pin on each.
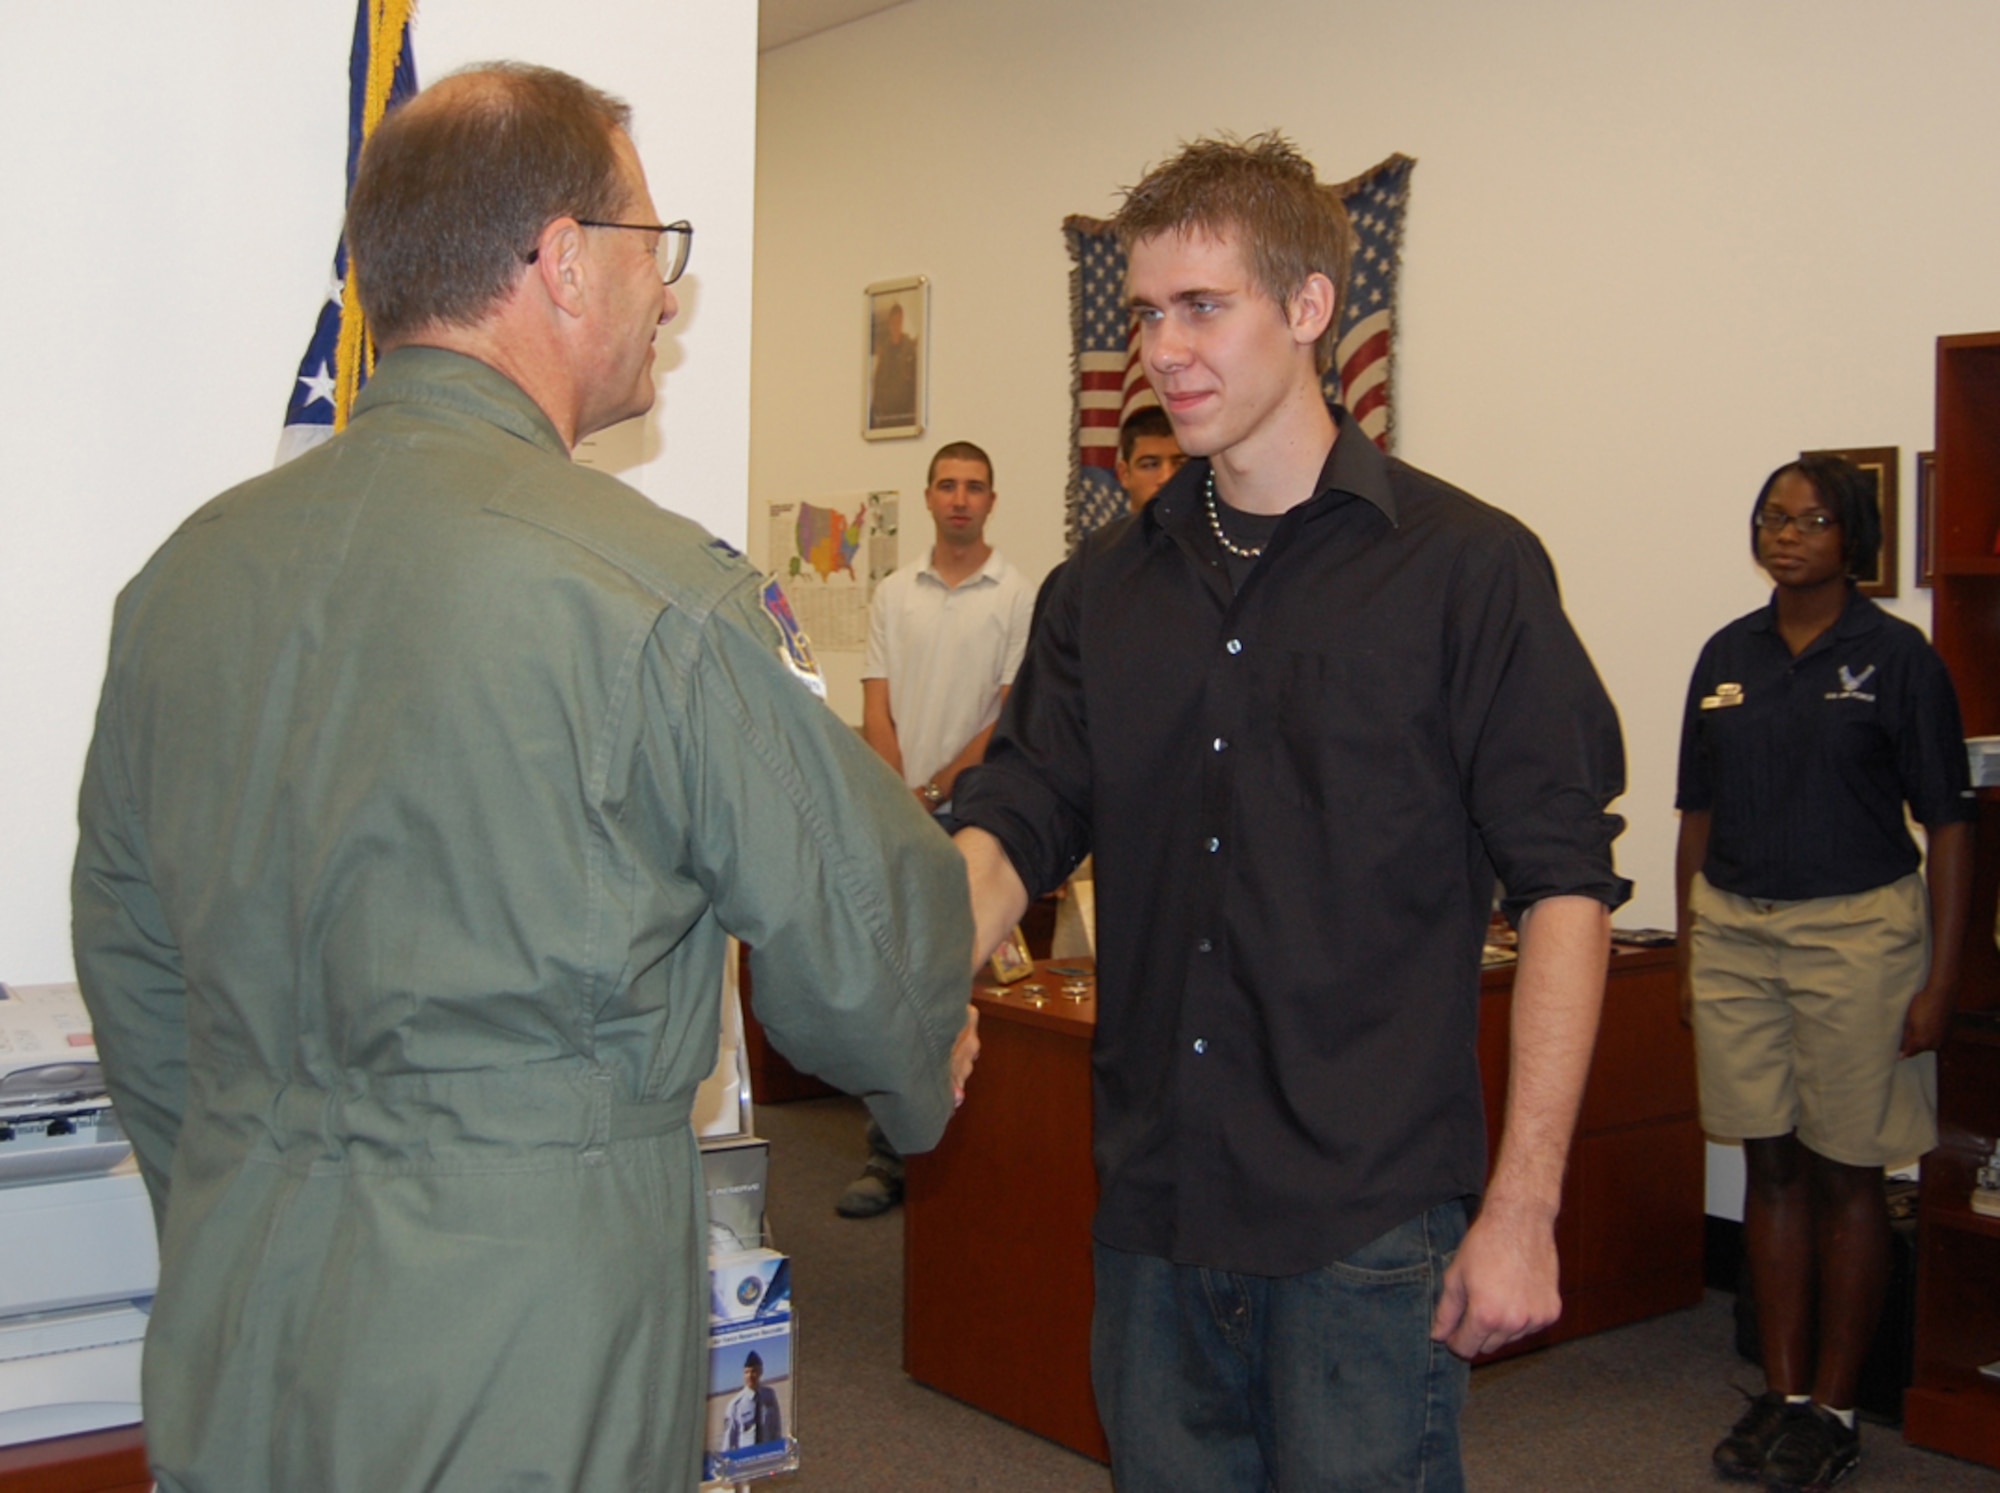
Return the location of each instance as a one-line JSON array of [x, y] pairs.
[[1951, 1405]]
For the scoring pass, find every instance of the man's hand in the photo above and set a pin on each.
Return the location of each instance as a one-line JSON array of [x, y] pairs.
[[1502, 1284], [998, 897], [964, 1053]]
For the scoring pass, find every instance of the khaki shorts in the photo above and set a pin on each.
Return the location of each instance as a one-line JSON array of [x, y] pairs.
[[1798, 1019]]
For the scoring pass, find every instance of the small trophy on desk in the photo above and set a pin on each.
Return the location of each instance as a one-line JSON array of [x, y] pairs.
[[1012, 961], [1986, 1196]]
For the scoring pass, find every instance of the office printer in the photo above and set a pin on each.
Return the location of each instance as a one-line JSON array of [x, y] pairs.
[[78, 1259]]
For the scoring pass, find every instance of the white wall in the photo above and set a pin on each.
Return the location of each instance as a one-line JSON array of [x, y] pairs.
[[173, 183], [1652, 252]]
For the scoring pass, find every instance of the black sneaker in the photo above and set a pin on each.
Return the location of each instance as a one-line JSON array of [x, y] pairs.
[[1812, 1451], [1741, 1453]]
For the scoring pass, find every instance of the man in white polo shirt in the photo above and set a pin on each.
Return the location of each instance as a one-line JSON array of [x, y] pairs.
[[945, 635]]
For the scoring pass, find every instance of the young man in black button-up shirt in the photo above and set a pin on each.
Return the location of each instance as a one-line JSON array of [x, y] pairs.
[[1302, 708]]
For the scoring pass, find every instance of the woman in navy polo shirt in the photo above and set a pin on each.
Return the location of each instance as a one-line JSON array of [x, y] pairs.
[[1809, 972]]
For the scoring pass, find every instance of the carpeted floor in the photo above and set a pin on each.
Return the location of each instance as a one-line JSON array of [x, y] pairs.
[[1634, 1409]]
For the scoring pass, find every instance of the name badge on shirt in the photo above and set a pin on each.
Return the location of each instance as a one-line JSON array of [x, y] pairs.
[[1725, 695]]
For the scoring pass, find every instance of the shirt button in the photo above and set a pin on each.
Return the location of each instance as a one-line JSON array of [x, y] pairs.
[[1204, 945], [1201, 1044], [1234, 645], [1213, 844], [1221, 743]]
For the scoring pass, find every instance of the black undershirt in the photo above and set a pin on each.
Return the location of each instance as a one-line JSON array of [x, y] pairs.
[[1250, 531]]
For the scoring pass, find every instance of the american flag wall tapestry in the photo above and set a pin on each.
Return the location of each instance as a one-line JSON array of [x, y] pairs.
[[1107, 384]]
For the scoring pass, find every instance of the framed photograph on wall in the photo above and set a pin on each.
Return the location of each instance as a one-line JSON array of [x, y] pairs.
[[896, 360], [1926, 515], [1879, 462]]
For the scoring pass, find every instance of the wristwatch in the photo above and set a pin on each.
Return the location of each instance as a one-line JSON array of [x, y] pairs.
[[931, 794]]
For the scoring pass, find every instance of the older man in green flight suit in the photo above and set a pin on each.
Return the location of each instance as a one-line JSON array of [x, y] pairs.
[[429, 773]]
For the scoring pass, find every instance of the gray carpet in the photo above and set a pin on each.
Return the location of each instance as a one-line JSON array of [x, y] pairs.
[[1635, 1409]]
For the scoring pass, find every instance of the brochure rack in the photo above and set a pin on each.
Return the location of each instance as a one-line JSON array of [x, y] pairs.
[[750, 1416]]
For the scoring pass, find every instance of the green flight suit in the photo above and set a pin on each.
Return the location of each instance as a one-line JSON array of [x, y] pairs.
[[429, 771]]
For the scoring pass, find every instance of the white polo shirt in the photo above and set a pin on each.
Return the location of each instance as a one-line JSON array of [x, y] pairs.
[[947, 652]]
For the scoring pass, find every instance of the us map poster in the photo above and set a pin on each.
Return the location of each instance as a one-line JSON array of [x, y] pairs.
[[828, 557]]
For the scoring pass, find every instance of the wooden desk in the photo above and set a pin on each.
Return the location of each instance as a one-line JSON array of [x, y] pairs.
[[996, 1273], [1630, 1234], [112, 1461], [996, 1225]]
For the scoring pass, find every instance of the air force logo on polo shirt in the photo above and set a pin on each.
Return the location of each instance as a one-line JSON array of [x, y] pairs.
[[1851, 685]]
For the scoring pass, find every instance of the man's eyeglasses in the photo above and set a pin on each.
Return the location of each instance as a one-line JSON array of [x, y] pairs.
[[1773, 521], [670, 249]]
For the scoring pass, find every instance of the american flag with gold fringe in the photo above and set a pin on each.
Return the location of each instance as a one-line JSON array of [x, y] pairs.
[[1110, 385], [381, 73]]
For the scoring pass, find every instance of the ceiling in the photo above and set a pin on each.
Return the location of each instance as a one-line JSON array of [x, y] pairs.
[[781, 21]]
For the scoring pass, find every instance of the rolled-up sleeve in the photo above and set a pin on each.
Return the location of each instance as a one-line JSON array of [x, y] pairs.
[[1535, 733]]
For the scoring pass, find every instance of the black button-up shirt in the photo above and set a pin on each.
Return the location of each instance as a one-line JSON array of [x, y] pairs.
[[1298, 792], [1804, 764]]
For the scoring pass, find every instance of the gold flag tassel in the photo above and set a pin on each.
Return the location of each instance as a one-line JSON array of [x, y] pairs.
[[354, 357]]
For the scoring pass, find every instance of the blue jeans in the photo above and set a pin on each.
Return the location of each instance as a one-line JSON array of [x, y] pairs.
[[1209, 1382]]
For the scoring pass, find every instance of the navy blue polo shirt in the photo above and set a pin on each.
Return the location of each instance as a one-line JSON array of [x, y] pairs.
[[1804, 764]]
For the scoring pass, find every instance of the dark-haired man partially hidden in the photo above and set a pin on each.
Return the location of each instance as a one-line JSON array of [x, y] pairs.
[[1148, 455], [430, 772]]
